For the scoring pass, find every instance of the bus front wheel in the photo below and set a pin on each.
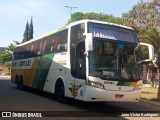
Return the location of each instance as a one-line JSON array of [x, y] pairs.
[[59, 91]]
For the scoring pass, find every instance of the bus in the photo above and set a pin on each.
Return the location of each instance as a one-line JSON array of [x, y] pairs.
[[87, 60]]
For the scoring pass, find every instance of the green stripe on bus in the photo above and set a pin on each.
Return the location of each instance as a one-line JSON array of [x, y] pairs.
[[42, 71], [120, 83], [123, 83], [127, 84]]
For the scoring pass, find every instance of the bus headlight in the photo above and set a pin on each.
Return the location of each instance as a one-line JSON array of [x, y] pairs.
[[95, 84], [138, 87]]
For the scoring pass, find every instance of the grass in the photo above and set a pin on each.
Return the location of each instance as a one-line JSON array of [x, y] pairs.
[[150, 93]]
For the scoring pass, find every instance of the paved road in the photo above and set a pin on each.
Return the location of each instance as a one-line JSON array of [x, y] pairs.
[[12, 99]]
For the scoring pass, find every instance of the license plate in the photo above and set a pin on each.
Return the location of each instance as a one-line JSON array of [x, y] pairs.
[[119, 96]]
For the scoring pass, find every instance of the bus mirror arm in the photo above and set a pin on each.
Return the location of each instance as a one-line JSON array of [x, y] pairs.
[[150, 50], [155, 62], [86, 53], [136, 48]]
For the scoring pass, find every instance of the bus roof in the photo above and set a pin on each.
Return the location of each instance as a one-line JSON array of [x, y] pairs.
[[43, 36], [72, 24], [100, 22]]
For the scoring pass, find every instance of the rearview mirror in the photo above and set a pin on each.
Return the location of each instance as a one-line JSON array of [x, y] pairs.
[[147, 52], [89, 42]]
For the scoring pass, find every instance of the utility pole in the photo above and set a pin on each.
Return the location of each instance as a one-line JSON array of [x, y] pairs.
[[70, 7]]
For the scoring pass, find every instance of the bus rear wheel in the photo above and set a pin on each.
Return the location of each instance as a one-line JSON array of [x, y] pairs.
[[20, 84]]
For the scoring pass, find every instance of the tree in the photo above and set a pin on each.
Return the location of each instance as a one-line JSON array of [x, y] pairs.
[[11, 47], [77, 16], [7, 56], [28, 33], [95, 16], [115, 20], [25, 35], [145, 15], [30, 30], [152, 37], [145, 18]]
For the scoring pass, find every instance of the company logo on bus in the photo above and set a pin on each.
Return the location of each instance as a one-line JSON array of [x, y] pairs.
[[109, 83]]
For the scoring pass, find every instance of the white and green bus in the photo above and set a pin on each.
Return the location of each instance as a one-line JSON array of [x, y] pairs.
[[87, 60]]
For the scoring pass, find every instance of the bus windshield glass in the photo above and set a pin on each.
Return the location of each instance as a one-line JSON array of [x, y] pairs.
[[113, 61]]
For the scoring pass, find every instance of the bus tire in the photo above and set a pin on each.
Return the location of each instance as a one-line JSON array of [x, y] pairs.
[[59, 91], [20, 84]]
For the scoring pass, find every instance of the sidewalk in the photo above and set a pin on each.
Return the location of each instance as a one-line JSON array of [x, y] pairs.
[[5, 75], [148, 85], [150, 102]]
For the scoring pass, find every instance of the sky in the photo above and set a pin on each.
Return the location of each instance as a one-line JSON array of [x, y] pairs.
[[49, 15]]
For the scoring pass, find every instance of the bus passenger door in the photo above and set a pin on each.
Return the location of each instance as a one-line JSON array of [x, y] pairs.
[[80, 71]]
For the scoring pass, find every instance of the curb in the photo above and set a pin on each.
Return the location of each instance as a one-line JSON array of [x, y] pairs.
[[5, 76], [150, 102]]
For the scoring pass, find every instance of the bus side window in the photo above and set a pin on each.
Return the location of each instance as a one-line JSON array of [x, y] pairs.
[[21, 53], [32, 52], [40, 48], [48, 45], [36, 49], [55, 44], [60, 41], [43, 48], [13, 55], [28, 51], [25, 52]]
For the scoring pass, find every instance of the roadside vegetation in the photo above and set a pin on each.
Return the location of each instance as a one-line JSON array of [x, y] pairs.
[[150, 93]]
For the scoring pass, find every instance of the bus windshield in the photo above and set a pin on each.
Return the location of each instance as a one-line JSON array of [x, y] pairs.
[[112, 60]]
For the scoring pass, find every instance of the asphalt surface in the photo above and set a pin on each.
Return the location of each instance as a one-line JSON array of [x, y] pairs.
[[14, 100]]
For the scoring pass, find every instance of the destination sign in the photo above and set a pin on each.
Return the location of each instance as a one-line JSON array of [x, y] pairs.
[[113, 34]]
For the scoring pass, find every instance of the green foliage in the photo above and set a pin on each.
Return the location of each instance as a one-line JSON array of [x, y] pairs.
[[152, 37], [131, 13], [145, 18], [77, 16], [16, 42], [7, 56], [28, 33], [95, 16], [25, 35], [30, 30], [115, 20], [145, 15], [10, 48]]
